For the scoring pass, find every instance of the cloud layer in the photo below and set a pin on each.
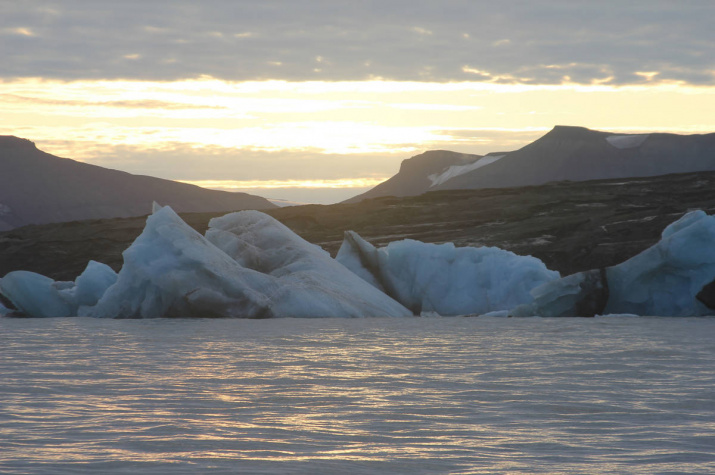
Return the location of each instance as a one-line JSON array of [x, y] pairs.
[[544, 42]]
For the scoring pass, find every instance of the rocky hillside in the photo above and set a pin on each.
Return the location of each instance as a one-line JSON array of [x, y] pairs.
[[565, 153], [571, 226], [414, 175], [36, 188]]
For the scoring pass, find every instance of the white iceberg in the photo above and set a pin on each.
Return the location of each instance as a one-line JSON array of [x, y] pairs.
[[251, 266], [40, 296], [311, 283], [36, 295], [92, 284], [444, 279], [663, 280], [173, 271]]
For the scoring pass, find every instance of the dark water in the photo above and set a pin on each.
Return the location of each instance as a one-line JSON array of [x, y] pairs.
[[422, 395]]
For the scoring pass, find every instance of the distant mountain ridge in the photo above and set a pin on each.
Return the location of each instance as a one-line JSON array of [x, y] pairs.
[[564, 153], [39, 188], [414, 175]]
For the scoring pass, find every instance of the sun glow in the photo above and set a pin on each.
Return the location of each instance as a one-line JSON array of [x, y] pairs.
[[237, 185], [113, 122]]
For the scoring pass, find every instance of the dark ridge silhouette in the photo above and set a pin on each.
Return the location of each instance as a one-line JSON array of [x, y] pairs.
[[579, 154], [38, 188], [413, 177], [565, 153]]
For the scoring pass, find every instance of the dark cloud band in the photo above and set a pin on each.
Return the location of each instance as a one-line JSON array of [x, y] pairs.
[[545, 42]]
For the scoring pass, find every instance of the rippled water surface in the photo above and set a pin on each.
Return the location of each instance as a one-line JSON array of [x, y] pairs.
[[422, 395]]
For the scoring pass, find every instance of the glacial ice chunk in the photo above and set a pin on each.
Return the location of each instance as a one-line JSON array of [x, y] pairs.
[[445, 279], [312, 283], [173, 271], [93, 283], [40, 296], [584, 294], [362, 258], [36, 295], [683, 222], [663, 280]]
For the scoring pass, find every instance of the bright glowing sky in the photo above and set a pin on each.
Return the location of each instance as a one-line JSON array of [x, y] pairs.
[[319, 100]]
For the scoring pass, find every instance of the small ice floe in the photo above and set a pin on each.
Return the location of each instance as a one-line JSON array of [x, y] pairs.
[[40, 296]]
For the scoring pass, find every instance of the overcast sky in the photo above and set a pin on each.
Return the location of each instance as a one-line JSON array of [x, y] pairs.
[[517, 41], [665, 47]]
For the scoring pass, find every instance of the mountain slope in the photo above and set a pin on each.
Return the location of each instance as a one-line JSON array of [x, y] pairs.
[[36, 188], [579, 154], [565, 153], [413, 177]]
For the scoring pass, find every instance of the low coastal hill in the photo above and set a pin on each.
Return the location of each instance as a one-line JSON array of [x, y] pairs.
[[571, 226], [37, 188]]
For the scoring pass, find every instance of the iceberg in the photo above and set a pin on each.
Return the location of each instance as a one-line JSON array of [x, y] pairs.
[[444, 279], [35, 294], [171, 270], [668, 279], [91, 285], [248, 266], [583, 294], [311, 283], [40, 296]]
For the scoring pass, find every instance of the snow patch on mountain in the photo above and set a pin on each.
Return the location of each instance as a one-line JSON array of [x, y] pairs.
[[456, 170], [627, 141]]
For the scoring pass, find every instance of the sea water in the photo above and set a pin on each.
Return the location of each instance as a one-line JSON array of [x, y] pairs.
[[379, 395]]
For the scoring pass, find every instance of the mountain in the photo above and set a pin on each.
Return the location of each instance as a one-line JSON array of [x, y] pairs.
[[414, 175], [37, 188], [566, 153]]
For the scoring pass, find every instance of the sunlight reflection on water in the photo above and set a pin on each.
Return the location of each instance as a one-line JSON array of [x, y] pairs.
[[423, 395]]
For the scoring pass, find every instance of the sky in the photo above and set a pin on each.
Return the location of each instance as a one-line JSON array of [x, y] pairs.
[[318, 101]]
